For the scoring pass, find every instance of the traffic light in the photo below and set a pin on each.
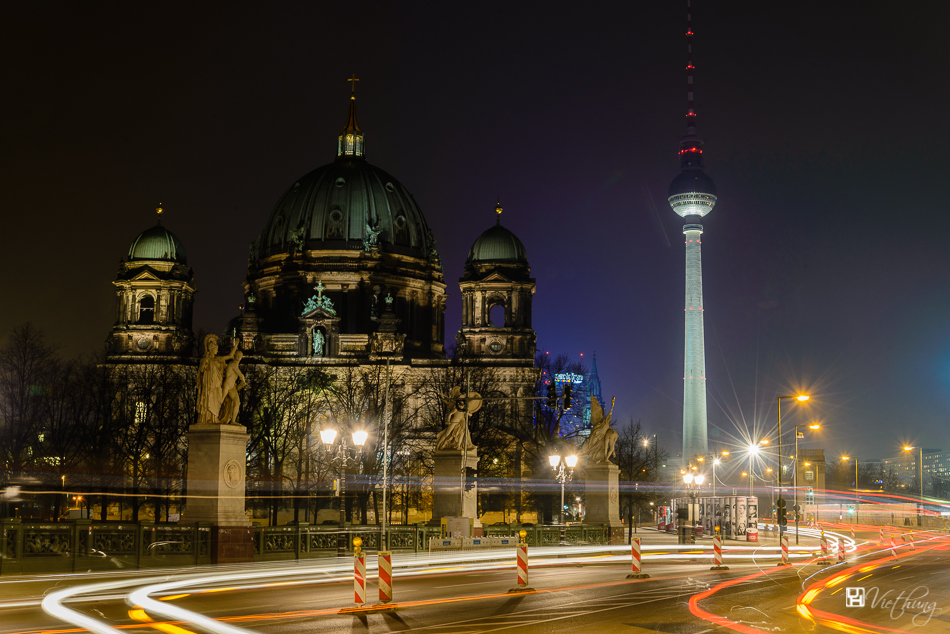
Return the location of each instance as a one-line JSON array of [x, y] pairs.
[[552, 396], [782, 513], [470, 478], [568, 393]]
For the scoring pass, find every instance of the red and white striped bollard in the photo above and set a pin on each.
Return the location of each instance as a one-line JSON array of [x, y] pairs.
[[359, 579], [784, 550], [717, 553], [824, 550], [385, 577], [635, 560], [522, 565]]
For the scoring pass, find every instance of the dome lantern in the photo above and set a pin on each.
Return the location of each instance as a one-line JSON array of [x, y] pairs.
[[350, 142]]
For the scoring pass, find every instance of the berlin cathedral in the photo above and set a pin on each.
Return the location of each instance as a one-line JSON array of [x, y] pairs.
[[344, 276], [345, 270]]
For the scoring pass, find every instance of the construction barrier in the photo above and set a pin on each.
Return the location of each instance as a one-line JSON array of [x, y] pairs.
[[522, 565], [717, 553], [784, 550], [359, 579], [882, 534], [385, 577], [852, 531], [824, 550], [635, 559], [840, 551]]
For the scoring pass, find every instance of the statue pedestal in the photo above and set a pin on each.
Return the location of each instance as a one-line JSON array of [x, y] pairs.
[[603, 498], [447, 496], [217, 457]]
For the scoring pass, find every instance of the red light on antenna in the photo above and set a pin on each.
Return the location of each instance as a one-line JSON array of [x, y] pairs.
[[688, 66], [689, 33]]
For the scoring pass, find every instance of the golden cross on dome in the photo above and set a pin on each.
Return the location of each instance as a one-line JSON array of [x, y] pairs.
[[159, 209], [353, 79]]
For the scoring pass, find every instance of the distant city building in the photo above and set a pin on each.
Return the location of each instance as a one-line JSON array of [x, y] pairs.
[[593, 390]]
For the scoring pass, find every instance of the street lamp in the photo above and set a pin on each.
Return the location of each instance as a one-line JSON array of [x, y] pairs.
[[798, 435], [920, 466], [340, 458], [689, 480], [753, 451], [656, 467], [801, 398], [563, 471]]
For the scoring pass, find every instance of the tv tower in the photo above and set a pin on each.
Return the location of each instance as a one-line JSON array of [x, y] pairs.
[[692, 195]]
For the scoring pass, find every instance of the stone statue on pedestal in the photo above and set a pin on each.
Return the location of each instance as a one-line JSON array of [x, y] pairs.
[[599, 448], [211, 376], [456, 436], [234, 380]]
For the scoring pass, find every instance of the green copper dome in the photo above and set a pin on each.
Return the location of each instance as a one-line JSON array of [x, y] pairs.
[[158, 243], [332, 207], [498, 244]]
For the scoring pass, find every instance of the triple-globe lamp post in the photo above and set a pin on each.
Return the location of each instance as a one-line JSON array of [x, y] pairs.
[[563, 471], [340, 457]]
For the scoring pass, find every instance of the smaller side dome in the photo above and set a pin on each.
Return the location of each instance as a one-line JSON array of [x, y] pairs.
[[498, 243], [158, 243]]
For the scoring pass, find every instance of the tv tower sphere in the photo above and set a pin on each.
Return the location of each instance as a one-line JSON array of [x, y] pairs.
[[692, 193]]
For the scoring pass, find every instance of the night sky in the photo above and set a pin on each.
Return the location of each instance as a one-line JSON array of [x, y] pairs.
[[825, 260]]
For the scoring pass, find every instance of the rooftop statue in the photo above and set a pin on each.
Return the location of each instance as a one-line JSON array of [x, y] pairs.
[[211, 378], [456, 436], [599, 448]]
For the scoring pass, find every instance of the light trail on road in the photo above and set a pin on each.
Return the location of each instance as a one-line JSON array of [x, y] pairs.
[[152, 594]]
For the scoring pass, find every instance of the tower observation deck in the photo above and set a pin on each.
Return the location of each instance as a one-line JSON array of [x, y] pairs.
[[692, 195]]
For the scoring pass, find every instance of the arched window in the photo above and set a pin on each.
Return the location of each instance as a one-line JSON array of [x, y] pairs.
[[496, 315], [147, 310]]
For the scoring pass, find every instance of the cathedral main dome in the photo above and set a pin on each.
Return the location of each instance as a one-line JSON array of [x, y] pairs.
[[345, 267], [331, 207]]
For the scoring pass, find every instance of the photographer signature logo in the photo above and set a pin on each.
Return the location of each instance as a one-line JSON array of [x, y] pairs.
[[914, 602]]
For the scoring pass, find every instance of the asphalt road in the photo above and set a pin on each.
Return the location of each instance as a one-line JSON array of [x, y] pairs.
[[680, 598]]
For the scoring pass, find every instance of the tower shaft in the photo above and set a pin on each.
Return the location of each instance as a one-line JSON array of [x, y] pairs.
[[694, 367]]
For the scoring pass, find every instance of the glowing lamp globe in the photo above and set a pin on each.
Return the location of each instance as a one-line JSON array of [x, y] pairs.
[[327, 436]]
